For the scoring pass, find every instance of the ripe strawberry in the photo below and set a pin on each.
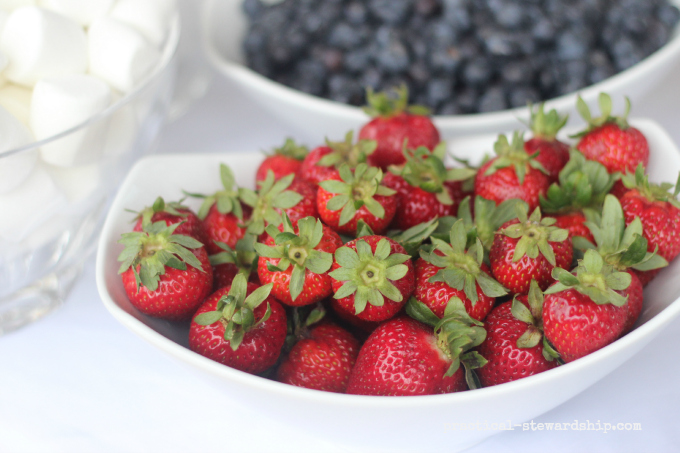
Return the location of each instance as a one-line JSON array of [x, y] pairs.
[[659, 212], [351, 197], [529, 248], [514, 344], [165, 275], [242, 259], [574, 223], [172, 213], [456, 269], [284, 161], [512, 174], [323, 162], [552, 153], [425, 189], [240, 326], [405, 356], [297, 260], [586, 311], [610, 140], [393, 123], [222, 213], [372, 277]]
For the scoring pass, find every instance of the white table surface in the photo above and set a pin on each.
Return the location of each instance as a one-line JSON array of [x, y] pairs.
[[78, 381]]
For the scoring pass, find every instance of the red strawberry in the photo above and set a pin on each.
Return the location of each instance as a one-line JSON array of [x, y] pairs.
[[242, 259], [635, 301], [514, 344], [283, 161], [351, 197], [240, 326], [405, 357], [528, 249], [513, 174], [323, 162], [586, 311], [610, 140], [372, 277], [574, 223], [552, 153], [297, 260], [393, 124], [455, 270], [172, 213], [165, 275]]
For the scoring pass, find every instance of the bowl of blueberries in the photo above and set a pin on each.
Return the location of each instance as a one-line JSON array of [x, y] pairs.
[[475, 64]]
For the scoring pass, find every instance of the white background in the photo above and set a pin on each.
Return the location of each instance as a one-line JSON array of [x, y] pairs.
[[77, 381]]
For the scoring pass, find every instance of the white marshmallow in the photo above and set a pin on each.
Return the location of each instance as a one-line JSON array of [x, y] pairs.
[[60, 103], [17, 100], [82, 11], [16, 167], [76, 182], [119, 54], [152, 18], [9, 5], [42, 43]]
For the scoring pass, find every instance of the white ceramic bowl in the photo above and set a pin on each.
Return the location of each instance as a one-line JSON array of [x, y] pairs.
[[371, 423], [224, 25]]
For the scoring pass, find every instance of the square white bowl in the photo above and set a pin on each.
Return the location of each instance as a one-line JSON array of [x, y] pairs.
[[366, 423]]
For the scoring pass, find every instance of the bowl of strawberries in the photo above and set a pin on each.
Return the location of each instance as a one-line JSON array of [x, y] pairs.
[[339, 280]]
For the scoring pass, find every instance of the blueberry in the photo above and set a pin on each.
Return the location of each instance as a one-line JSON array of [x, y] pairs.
[[419, 72], [571, 45], [309, 77], [345, 36], [477, 72], [467, 99], [357, 59], [507, 13], [520, 96], [625, 54], [356, 13], [456, 13], [345, 89], [332, 59], [252, 7], [427, 8], [393, 12], [493, 100], [438, 91], [517, 72], [450, 107], [445, 59], [498, 43], [394, 57], [371, 77], [668, 15], [600, 66]]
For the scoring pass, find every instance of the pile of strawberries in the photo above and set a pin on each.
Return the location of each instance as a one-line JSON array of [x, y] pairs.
[[371, 267]]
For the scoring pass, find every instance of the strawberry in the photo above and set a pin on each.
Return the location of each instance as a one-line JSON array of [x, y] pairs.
[[165, 275], [515, 346], [405, 356], [372, 277], [393, 124], [456, 269], [659, 212], [425, 188], [297, 260], [172, 213], [351, 197], [222, 213], [242, 259], [552, 153], [240, 326], [322, 357], [611, 140], [585, 311], [323, 162], [512, 174], [529, 248], [284, 161]]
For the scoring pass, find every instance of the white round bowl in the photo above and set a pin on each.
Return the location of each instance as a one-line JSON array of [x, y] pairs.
[[225, 24], [445, 423]]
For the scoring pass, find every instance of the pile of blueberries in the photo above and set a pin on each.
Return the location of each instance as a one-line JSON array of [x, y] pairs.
[[456, 56]]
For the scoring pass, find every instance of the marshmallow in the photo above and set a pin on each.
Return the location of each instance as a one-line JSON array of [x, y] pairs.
[[3, 18], [9, 5], [122, 133], [42, 43], [82, 11], [15, 168], [119, 54], [60, 103], [16, 100], [152, 18], [77, 183]]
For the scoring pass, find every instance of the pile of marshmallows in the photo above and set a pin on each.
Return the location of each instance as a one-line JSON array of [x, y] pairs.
[[62, 62]]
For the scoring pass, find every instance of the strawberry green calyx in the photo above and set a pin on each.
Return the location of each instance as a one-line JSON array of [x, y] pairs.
[[367, 275], [292, 150], [301, 320], [546, 125], [348, 152], [153, 249], [412, 238], [386, 104], [651, 191], [235, 311], [621, 246], [513, 154], [356, 190], [243, 255], [461, 260], [160, 205], [271, 196], [296, 250], [533, 316], [227, 200], [583, 183], [605, 103], [456, 333], [534, 233], [595, 279]]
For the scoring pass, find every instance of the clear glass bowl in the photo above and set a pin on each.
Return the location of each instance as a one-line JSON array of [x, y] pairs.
[[59, 211]]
